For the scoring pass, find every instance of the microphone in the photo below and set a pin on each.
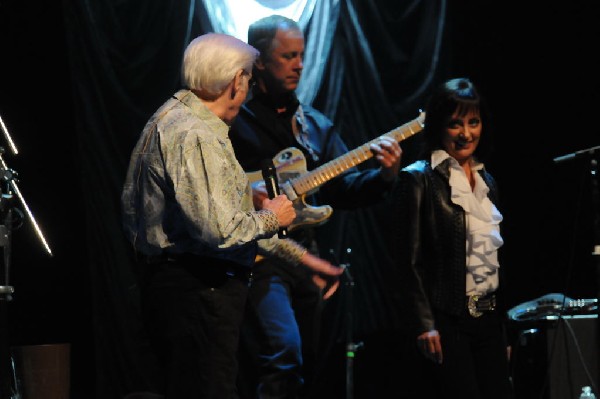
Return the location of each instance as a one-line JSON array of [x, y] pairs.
[[576, 154], [269, 174]]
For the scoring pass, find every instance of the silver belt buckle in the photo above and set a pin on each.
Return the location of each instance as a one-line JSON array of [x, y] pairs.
[[472, 306]]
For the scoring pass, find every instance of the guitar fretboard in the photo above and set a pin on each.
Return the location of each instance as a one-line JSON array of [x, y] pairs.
[[333, 168]]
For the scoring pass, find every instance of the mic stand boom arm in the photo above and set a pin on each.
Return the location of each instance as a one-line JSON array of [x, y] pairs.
[[8, 176], [577, 154]]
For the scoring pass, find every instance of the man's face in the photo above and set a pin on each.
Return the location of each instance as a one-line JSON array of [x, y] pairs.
[[281, 69]]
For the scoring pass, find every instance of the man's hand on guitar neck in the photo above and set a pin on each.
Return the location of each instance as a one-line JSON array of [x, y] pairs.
[[389, 154]]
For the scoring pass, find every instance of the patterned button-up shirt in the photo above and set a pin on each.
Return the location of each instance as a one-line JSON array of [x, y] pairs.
[[185, 191]]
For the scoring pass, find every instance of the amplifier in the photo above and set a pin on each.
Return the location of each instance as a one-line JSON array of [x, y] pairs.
[[553, 358]]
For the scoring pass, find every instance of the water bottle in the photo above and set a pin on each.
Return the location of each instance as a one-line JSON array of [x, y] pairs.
[[586, 393]]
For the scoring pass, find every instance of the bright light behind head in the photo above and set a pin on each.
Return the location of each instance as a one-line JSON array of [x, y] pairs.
[[234, 16]]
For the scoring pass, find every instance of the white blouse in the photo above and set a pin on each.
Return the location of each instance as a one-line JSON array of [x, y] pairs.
[[483, 225]]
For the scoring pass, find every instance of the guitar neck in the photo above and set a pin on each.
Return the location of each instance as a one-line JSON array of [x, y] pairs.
[[327, 171]]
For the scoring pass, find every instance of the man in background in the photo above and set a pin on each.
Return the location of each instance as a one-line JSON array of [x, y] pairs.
[[281, 328]]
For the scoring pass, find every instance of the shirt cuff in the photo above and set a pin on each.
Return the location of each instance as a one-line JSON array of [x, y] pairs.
[[290, 251], [284, 249], [269, 221]]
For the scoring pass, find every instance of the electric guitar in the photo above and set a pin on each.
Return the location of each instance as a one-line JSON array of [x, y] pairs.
[[296, 182]]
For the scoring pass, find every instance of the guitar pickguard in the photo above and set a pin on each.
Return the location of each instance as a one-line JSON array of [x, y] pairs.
[[290, 164]]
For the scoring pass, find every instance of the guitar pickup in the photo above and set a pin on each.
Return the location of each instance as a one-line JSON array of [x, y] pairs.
[[288, 190]]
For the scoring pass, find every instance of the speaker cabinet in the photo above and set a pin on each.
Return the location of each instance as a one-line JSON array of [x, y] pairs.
[[555, 358]]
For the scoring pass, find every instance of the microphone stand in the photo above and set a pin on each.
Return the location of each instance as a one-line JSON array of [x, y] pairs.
[[8, 382], [351, 346], [8, 186], [596, 250]]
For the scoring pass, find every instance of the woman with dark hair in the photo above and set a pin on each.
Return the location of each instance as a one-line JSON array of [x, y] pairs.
[[446, 243]]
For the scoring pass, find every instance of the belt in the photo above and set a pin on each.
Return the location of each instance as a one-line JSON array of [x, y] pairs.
[[477, 305], [196, 264]]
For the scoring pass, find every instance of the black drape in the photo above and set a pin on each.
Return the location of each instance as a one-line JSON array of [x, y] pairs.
[[124, 62], [80, 78]]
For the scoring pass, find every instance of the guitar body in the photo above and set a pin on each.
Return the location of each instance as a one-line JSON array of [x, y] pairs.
[[291, 164]]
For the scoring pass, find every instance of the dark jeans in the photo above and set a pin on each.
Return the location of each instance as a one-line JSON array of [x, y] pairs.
[[193, 313], [280, 333]]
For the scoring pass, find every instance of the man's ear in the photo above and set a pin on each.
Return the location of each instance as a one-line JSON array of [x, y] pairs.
[[237, 83], [259, 64]]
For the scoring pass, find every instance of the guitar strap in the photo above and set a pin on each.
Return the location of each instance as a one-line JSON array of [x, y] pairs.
[[301, 134]]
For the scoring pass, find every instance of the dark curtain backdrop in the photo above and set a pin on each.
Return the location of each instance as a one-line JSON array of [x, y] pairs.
[[80, 79]]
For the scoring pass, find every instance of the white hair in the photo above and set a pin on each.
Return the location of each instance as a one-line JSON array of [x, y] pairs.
[[211, 61]]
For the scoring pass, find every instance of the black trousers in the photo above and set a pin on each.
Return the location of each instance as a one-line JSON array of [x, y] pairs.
[[193, 311], [475, 364]]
